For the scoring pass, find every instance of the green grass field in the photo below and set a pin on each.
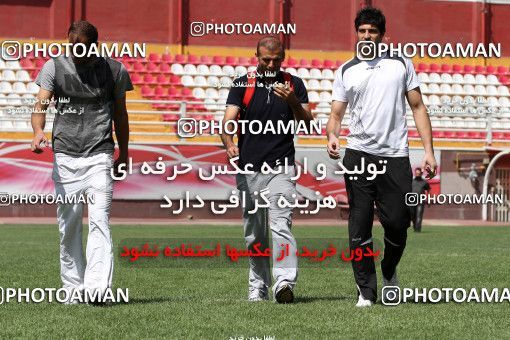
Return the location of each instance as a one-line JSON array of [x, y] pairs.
[[211, 302]]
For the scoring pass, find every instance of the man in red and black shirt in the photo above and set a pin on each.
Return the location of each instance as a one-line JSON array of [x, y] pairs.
[[268, 95]]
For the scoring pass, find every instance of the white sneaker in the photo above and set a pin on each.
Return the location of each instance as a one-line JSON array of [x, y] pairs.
[[256, 295], [362, 302]]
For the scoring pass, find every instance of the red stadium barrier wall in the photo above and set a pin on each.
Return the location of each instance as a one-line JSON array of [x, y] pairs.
[[325, 25]]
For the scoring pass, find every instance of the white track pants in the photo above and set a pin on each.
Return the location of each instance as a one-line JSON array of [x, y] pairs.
[[85, 176]]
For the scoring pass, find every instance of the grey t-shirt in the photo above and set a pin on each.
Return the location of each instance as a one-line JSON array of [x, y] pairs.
[[85, 97]]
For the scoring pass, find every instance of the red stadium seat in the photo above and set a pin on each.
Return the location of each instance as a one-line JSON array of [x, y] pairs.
[[254, 61], [230, 60], [475, 135], [491, 69], [445, 68], [136, 79], [462, 135], [158, 106], [167, 58], [449, 134], [174, 92], [413, 134], [438, 134], [243, 61], [147, 91], [149, 79], [344, 132], [172, 116], [434, 68], [328, 64], [138, 67], [205, 59], [154, 58], [159, 91], [480, 69], [186, 93], [316, 63], [304, 63], [457, 69], [292, 62], [498, 135], [468, 69], [164, 68], [175, 80], [162, 79], [193, 59], [152, 67], [339, 63], [218, 59], [502, 70], [180, 59], [422, 67], [504, 80]]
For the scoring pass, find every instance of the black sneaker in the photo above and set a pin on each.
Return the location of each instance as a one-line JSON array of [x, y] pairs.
[[284, 295]]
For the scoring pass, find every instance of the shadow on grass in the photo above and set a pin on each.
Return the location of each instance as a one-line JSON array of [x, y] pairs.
[[309, 299]]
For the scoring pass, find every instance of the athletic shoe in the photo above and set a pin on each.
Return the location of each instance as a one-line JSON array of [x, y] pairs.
[[362, 302], [257, 295], [389, 294], [284, 294], [392, 282]]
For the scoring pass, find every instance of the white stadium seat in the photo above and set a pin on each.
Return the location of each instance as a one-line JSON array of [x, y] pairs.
[[303, 73], [12, 65], [241, 70], [211, 93], [313, 97], [480, 90], [446, 78], [469, 79], [187, 81], [213, 81], [19, 87], [492, 90], [190, 69], [5, 87], [33, 88], [434, 88], [8, 75], [216, 70], [423, 77], [200, 81], [328, 74], [314, 84], [434, 78], [14, 99], [291, 70], [469, 89], [198, 93], [480, 79], [445, 88], [503, 90], [177, 69], [228, 71], [22, 75], [326, 85], [203, 70], [316, 73], [457, 78], [457, 89], [492, 80]]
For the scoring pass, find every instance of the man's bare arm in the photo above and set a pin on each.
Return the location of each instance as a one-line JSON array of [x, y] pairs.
[[228, 139], [333, 128], [121, 122], [422, 121], [38, 120]]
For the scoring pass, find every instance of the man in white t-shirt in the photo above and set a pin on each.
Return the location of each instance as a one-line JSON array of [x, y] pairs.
[[376, 91]]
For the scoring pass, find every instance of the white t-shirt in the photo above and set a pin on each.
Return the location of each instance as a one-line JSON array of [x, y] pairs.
[[375, 91]]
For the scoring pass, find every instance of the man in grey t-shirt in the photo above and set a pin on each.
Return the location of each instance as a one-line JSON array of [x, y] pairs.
[[90, 96]]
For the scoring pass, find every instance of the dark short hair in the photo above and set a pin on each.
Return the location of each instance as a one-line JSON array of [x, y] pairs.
[[371, 16], [418, 169], [85, 29], [271, 43]]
